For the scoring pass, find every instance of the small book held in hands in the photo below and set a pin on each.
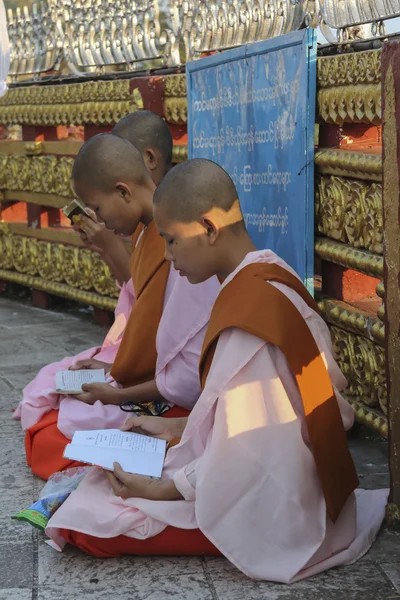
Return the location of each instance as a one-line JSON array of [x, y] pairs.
[[70, 382], [74, 209], [135, 453]]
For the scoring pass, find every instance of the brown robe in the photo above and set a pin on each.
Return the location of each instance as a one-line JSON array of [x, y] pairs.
[[250, 303], [135, 362]]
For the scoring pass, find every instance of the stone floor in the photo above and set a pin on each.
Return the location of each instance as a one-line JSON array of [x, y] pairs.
[[30, 338]]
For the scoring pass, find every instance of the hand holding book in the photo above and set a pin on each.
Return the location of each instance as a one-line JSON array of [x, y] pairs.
[[159, 427], [106, 393], [126, 485], [73, 382]]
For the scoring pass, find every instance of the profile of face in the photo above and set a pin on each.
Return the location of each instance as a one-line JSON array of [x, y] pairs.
[[189, 246], [119, 209]]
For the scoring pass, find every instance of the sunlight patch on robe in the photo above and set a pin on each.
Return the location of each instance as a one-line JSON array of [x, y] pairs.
[[245, 412]]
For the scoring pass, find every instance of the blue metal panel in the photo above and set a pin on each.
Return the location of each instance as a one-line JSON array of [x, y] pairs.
[[252, 110]]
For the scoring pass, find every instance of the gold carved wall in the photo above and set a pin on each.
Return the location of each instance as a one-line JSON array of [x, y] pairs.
[[92, 102], [349, 223], [38, 174], [349, 88], [175, 100], [350, 211], [45, 174], [65, 270]]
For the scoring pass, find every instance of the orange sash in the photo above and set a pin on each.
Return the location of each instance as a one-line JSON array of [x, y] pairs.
[[135, 362], [249, 303]]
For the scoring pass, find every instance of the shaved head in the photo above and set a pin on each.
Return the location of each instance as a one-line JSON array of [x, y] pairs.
[[107, 159], [144, 129], [194, 188], [197, 212]]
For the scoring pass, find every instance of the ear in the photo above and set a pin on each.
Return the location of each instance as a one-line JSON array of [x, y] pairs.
[[211, 228], [151, 159], [123, 189]]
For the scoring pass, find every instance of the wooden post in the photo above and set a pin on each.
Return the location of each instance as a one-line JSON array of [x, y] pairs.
[[391, 223]]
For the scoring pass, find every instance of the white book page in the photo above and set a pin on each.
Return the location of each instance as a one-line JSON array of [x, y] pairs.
[[72, 381], [143, 463], [121, 440]]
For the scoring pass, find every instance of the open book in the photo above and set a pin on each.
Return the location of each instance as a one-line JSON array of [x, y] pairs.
[[70, 382], [135, 453]]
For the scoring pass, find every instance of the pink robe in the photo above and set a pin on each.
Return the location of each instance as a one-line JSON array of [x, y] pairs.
[[40, 397], [179, 340], [245, 470]]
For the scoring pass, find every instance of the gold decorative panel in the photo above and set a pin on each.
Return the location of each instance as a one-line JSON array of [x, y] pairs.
[[175, 110], [96, 102], [358, 165], [372, 418], [175, 86], [175, 100], [363, 364], [351, 258], [45, 174], [69, 271], [355, 68], [179, 154], [350, 211], [349, 318], [351, 104]]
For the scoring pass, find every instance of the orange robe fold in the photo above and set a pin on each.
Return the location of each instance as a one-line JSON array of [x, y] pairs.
[[136, 358], [252, 304]]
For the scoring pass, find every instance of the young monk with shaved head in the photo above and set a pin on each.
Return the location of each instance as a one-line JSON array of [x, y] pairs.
[[262, 473], [156, 360], [150, 134]]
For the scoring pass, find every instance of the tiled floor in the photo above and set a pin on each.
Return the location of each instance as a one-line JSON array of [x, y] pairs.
[[31, 570]]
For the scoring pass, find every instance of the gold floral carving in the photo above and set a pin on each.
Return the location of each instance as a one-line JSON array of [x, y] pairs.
[[357, 165], [175, 86], [373, 219], [351, 104], [356, 68], [47, 174], [175, 101], [69, 271], [349, 318], [175, 110], [350, 211], [95, 102], [179, 153], [363, 364], [41, 174]]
